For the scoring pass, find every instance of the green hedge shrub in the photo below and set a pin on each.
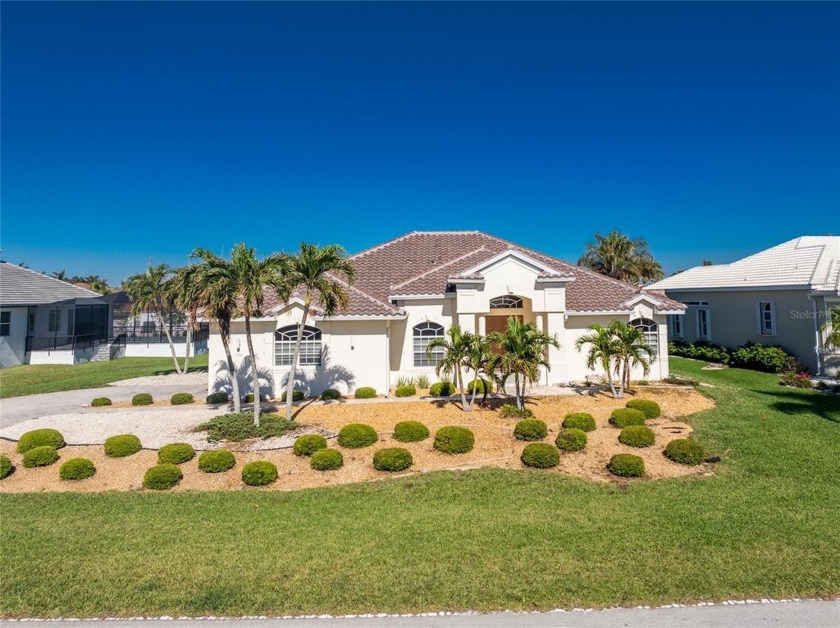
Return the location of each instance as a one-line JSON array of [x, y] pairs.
[[326, 460], [392, 459], [579, 421], [626, 466], [442, 389], [122, 445], [355, 435], [480, 385], [77, 469], [40, 456], [162, 477], [175, 453], [308, 444], [540, 456], [649, 408], [410, 431], [768, 359], [530, 429], [216, 398], [365, 392], [142, 399], [6, 466], [216, 461], [684, 451], [571, 439], [510, 411], [330, 394], [454, 440], [100, 402], [700, 350], [297, 395], [181, 399], [637, 436], [259, 473], [622, 417], [39, 438], [405, 391]]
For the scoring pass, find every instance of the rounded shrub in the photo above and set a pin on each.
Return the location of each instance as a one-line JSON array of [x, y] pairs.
[[122, 445], [6, 466], [392, 459], [217, 398], [510, 411], [259, 473], [355, 435], [442, 389], [181, 399], [649, 408], [454, 440], [410, 431], [684, 451], [636, 436], [99, 402], [579, 421], [297, 395], [77, 469], [626, 416], [142, 399], [540, 456], [365, 392], [405, 391], [330, 394], [162, 477], [571, 439], [40, 438], [176, 453], [480, 385], [308, 444], [326, 460], [626, 466], [216, 461], [530, 429], [40, 456]]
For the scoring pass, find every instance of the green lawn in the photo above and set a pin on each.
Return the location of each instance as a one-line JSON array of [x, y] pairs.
[[44, 378], [766, 525]]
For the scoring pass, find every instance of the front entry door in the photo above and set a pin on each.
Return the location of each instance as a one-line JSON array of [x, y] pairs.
[[499, 324]]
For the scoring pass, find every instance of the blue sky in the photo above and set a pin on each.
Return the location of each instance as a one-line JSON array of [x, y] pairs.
[[136, 131]]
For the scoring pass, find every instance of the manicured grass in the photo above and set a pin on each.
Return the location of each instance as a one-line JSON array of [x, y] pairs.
[[765, 525], [44, 378]]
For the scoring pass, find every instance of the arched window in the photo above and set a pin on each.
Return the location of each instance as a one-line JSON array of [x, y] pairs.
[[310, 346], [650, 330], [506, 302], [424, 333]]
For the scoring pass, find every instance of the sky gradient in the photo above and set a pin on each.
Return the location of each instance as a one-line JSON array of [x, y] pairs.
[[137, 131]]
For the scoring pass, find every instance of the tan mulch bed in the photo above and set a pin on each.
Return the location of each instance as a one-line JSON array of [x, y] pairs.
[[495, 446]]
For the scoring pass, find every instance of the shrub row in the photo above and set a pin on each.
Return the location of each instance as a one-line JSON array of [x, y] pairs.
[[758, 357]]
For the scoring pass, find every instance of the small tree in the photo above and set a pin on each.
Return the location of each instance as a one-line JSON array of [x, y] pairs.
[[603, 351], [478, 359], [455, 350], [631, 350], [831, 327]]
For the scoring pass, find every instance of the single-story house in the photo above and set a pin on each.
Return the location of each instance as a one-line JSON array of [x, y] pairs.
[[412, 289], [780, 296]]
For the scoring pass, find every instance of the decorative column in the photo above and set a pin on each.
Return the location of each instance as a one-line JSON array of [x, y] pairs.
[[482, 325]]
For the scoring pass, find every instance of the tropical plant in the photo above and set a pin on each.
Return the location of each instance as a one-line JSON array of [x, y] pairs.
[[831, 327], [602, 351], [478, 358], [621, 257], [455, 349], [524, 349], [631, 351], [321, 275]]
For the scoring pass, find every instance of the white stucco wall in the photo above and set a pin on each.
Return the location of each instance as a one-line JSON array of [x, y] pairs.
[[160, 349], [13, 346]]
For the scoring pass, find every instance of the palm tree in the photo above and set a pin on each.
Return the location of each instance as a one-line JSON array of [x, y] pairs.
[[523, 350], [631, 350], [478, 359], [149, 291], [602, 352], [322, 275], [184, 292], [831, 327], [620, 257], [455, 350]]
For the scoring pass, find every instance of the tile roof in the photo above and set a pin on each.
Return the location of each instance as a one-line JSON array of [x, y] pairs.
[[21, 286], [812, 262]]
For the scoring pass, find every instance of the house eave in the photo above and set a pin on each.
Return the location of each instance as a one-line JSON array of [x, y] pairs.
[[737, 288]]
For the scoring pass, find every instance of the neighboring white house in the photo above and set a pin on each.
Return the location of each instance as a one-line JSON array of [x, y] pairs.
[[412, 289], [780, 296]]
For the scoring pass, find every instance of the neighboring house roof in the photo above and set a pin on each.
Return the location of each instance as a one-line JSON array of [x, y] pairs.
[[809, 262], [20, 286]]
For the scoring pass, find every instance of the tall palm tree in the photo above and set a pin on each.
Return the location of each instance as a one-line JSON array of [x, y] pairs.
[[185, 293], [322, 275], [631, 350], [149, 291], [831, 327], [478, 359], [620, 257], [603, 351], [455, 350], [523, 350]]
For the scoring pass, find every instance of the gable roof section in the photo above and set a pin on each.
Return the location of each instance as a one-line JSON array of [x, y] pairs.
[[809, 262], [20, 286]]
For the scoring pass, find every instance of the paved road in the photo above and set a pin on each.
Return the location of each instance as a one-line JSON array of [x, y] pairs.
[[813, 614]]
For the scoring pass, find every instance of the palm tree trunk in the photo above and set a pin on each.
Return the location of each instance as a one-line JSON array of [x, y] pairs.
[[459, 376], [187, 352], [472, 399], [608, 369], [169, 340], [622, 366], [234, 380], [290, 385], [255, 378], [519, 403]]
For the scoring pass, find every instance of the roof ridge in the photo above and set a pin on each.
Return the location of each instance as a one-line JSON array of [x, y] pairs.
[[436, 268]]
